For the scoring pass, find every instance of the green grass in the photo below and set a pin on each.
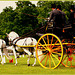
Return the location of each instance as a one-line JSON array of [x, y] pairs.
[[22, 68]]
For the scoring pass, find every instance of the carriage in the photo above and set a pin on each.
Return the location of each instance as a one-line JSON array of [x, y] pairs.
[[55, 51]]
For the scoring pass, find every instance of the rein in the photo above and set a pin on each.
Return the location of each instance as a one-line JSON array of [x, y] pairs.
[[29, 33], [17, 38]]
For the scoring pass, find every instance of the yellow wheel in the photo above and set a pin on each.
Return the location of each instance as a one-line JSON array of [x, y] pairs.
[[48, 48]]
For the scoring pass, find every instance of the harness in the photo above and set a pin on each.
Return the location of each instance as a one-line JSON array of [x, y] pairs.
[[14, 44], [17, 39]]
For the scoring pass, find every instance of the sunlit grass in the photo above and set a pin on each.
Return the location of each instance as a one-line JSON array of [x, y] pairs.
[[22, 68]]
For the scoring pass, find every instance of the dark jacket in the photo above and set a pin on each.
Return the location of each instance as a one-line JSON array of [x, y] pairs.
[[63, 18], [56, 16]]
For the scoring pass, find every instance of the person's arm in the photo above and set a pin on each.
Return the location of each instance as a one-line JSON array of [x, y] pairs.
[[51, 16]]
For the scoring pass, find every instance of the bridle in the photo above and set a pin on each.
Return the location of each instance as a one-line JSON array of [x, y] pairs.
[[12, 42]]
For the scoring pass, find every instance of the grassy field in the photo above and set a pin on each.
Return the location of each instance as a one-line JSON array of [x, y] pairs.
[[22, 68]]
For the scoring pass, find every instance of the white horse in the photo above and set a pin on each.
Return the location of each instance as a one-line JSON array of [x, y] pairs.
[[3, 49], [14, 38]]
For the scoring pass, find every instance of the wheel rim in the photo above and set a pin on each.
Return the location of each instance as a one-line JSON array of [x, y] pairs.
[[48, 48]]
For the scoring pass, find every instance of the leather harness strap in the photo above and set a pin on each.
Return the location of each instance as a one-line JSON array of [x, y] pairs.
[[17, 39]]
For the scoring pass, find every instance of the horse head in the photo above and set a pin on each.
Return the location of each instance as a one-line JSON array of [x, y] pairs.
[[11, 36]]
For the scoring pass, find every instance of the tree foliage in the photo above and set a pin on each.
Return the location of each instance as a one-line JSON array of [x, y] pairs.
[[19, 20], [27, 17]]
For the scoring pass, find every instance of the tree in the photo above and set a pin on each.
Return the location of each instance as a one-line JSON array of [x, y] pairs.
[[44, 8], [25, 18], [6, 21], [20, 20]]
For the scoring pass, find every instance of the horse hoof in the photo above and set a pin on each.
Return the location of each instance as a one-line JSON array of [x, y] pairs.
[[18, 57], [33, 65], [2, 63], [28, 64], [15, 64]]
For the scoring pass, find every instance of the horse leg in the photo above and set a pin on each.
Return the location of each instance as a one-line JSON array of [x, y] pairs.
[[34, 53], [28, 61], [29, 53], [14, 52], [6, 54], [1, 57], [15, 56]]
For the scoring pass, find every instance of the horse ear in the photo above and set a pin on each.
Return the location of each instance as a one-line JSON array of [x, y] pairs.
[[7, 34]]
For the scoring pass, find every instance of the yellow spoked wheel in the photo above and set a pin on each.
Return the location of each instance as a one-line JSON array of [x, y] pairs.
[[48, 48], [69, 58]]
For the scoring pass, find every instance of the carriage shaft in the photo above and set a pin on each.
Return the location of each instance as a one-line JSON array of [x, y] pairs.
[[45, 45]]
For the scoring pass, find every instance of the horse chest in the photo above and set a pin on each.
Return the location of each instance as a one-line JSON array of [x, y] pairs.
[[19, 49]]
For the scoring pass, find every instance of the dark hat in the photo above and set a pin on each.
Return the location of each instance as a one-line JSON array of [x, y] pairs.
[[53, 5], [59, 6]]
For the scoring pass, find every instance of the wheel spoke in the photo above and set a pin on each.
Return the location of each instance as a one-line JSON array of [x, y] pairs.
[[46, 60], [51, 41], [71, 63], [48, 39], [67, 61], [64, 58], [43, 58], [54, 43], [53, 61], [43, 46], [58, 48], [70, 60], [41, 49], [44, 41], [49, 62], [57, 53], [55, 57], [73, 58], [41, 54]]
